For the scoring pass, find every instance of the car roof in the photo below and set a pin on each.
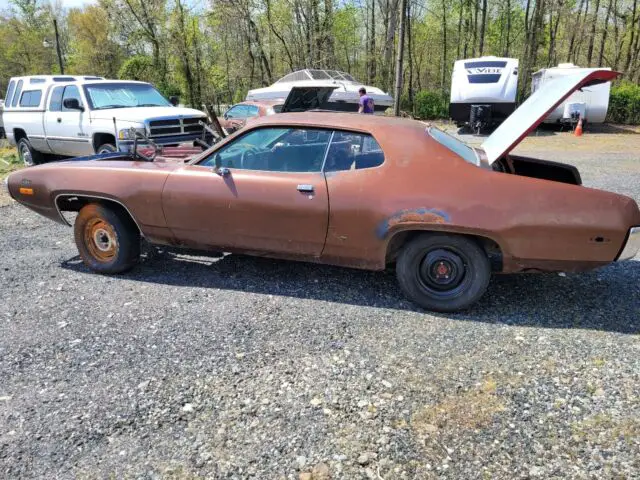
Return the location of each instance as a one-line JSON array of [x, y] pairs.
[[340, 120]]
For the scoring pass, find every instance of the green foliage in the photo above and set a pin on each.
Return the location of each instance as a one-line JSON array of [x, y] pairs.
[[624, 104], [138, 67], [430, 105]]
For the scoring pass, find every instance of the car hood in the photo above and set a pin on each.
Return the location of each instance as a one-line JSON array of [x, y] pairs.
[[301, 99], [535, 109], [140, 114]]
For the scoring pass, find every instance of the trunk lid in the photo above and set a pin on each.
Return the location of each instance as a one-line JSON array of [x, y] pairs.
[[535, 109]]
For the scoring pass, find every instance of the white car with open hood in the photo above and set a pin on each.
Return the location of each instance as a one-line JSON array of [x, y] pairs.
[[73, 116]]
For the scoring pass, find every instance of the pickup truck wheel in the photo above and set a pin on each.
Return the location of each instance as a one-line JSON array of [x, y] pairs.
[[27, 154], [443, 273], [106, 148], [108, 241]]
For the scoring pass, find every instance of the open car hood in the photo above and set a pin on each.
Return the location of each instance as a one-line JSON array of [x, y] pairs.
[[536, 108], [301, 99]]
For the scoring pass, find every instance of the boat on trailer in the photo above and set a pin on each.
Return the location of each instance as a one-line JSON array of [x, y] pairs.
[[344, 98]]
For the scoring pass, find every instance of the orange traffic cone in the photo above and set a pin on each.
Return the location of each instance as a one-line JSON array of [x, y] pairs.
[[578, 131]]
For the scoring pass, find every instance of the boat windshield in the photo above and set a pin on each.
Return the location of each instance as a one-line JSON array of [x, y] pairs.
[[319, 75], [335, 75]]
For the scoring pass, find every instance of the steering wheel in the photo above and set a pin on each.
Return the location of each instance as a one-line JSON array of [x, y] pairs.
[[251, 150]]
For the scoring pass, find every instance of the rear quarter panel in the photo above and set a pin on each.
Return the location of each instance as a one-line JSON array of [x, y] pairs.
[[424, 186]]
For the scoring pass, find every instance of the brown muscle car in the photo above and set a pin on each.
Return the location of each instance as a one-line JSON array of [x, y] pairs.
[[352, 190]]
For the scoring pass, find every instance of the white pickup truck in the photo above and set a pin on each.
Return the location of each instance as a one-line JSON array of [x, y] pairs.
[[73, 116]]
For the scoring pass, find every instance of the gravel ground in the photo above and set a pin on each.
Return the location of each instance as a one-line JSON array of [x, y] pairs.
[[193, 367]]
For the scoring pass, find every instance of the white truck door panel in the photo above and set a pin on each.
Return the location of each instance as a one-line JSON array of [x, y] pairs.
[[65, 130]]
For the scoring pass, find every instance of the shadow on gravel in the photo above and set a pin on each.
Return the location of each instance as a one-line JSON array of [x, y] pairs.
[[606, 299]]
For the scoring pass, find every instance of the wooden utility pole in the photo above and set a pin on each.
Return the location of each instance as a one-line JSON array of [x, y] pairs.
[[55, 27], [396, 100]]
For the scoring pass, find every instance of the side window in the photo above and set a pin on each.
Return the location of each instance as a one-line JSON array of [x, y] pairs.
[[239, 111], [282, 149], [31, 98], [353, 151], [55, 104], [252, 111], [71, 91], [7, 100], [16, 96]]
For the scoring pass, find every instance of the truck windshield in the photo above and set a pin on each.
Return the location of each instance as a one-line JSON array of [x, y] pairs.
[[456, 146], [102, 96]]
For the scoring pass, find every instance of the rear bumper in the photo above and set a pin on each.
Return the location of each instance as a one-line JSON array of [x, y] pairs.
[[632, 245]]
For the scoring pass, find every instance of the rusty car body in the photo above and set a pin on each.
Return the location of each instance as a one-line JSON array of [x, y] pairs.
[[352, 190]]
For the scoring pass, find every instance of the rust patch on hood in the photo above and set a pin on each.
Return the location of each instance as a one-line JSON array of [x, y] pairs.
[[413, 215]]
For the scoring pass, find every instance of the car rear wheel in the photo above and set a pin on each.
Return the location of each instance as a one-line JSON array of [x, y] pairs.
[[443, 273], [27, 154], [106, 148], [108, 241]]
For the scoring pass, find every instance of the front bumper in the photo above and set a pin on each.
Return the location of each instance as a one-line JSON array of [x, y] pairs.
[[126, 145], [632, 245]]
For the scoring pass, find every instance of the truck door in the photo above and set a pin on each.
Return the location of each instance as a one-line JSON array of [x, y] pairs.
[[64, 127]]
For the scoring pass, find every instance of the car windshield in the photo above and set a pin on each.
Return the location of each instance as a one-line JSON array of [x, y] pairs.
[[456, 146], [123, 95]]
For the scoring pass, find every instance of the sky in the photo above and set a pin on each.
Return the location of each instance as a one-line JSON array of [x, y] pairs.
[[4, 4]]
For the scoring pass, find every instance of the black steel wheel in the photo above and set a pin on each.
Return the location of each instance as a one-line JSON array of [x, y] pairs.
[[443, 273]]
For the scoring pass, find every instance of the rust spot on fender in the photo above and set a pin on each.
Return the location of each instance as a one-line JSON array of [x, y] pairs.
[[414, 215]]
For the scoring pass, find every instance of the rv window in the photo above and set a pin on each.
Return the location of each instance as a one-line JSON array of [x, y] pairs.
[[16, 95], [456, 146], [7, 100], [31, 98]]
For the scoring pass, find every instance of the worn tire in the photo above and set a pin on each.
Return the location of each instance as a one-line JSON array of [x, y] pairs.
[[106, 148], [27, 154], [443, 273], [108, 240]]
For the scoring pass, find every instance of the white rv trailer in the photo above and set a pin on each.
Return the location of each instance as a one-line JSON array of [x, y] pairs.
[[344, 98], [483, 90], [591, 103]]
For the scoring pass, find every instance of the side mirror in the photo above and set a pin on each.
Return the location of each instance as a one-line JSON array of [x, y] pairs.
[[173, 100], [72, 104], [216, 161]]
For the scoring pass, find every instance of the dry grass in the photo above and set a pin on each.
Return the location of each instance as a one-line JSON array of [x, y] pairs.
[[471, 410]]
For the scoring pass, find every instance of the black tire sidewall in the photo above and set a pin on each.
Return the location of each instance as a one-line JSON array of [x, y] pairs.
[[35, 156], [478, 267], [127, 235], [111, 147]]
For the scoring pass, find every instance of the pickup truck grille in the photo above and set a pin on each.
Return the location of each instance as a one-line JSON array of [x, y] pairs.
[[175, 126]]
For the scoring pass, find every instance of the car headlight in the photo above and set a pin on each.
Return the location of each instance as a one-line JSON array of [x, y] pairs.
[[127, 134]]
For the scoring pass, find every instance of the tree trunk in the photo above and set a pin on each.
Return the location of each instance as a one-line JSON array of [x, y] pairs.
[[632, 27], [475, 26], [605, 30], [398, 95], [444, 46], [460, 28], [508, 34], [410, 52], [592, 36], [574, 33], [483, 26], [372, 43]]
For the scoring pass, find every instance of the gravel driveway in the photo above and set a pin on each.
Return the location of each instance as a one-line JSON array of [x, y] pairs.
[[239, 367]]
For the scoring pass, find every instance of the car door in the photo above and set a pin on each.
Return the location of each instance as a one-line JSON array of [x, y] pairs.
[[64, 126], [266, 194]]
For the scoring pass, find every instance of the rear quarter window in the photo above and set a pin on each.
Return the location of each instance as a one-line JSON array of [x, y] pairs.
[[31, 98], [456, 146]]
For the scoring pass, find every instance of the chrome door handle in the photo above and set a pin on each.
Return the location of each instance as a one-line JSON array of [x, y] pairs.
[[305, 188]]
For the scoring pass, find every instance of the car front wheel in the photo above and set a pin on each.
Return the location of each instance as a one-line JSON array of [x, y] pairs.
[[108, 240], [443, 273]]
